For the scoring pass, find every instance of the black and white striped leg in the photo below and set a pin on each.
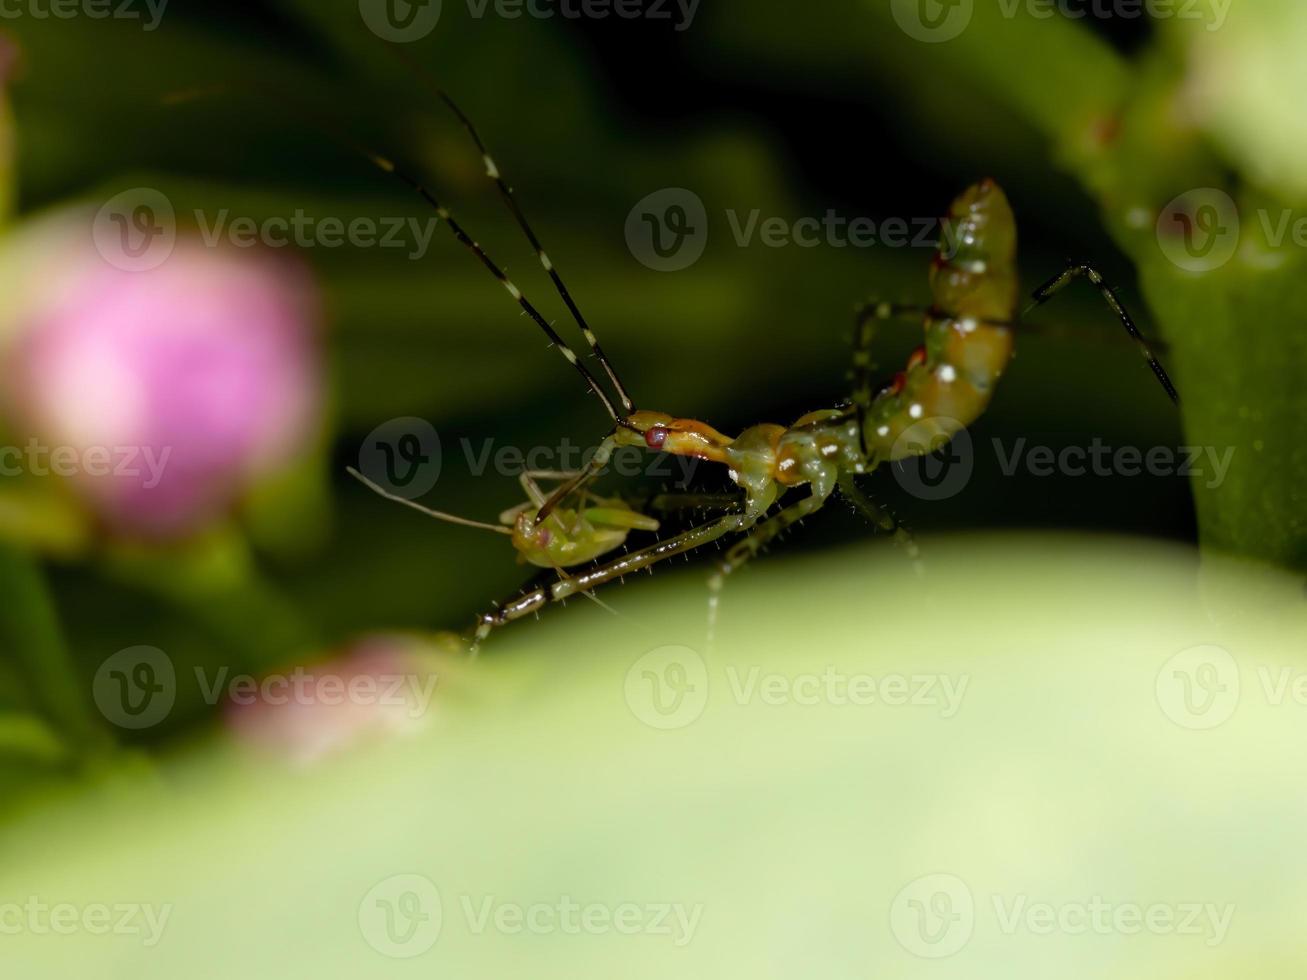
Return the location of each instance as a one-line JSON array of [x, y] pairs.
[[1073, 272], [536, 599]]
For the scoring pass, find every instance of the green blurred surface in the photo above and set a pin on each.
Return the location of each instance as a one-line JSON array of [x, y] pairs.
[[1061, 769]]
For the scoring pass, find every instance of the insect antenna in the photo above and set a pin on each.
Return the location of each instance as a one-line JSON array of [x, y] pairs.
[[438, 514], [506, 193], [475, 248], [388, 166]]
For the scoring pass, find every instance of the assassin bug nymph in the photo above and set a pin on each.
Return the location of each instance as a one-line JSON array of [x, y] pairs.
[[947, 384]]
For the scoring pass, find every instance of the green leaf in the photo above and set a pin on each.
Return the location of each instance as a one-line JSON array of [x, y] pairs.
[[31, 638]]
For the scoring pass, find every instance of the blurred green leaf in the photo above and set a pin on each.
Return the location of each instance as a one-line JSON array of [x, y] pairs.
[[30, 638], [574, 761], [28, 737]]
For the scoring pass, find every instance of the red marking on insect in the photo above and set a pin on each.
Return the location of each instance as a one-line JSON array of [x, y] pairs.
[[655, 437], [917, 359], [896, 386]]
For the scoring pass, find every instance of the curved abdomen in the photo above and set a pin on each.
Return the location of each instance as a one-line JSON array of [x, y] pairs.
[[948, 382]]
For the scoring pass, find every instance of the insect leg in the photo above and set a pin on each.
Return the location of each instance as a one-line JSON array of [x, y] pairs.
[[864, 333], [882, 518], [1073, 272], [580, 478], [743, 551], [552, 474], [536, 599], [696, 501]]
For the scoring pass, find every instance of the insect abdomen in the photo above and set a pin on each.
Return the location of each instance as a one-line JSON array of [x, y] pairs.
[[948, 383]]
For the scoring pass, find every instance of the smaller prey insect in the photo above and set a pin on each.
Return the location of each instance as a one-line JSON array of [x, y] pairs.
[[566, 537], [969, 332]]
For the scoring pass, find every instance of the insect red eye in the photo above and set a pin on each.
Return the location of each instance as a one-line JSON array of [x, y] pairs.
[[655, 437], [543, 537]]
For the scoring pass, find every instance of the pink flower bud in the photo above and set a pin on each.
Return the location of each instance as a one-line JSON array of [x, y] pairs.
[[195, 377], [381, 686]]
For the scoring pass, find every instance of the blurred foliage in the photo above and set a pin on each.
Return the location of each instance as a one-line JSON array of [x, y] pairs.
[[866, 120], [1052, 772]]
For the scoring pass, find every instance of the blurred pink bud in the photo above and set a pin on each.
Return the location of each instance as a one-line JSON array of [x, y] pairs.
[[195, 376], [381, 686]]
